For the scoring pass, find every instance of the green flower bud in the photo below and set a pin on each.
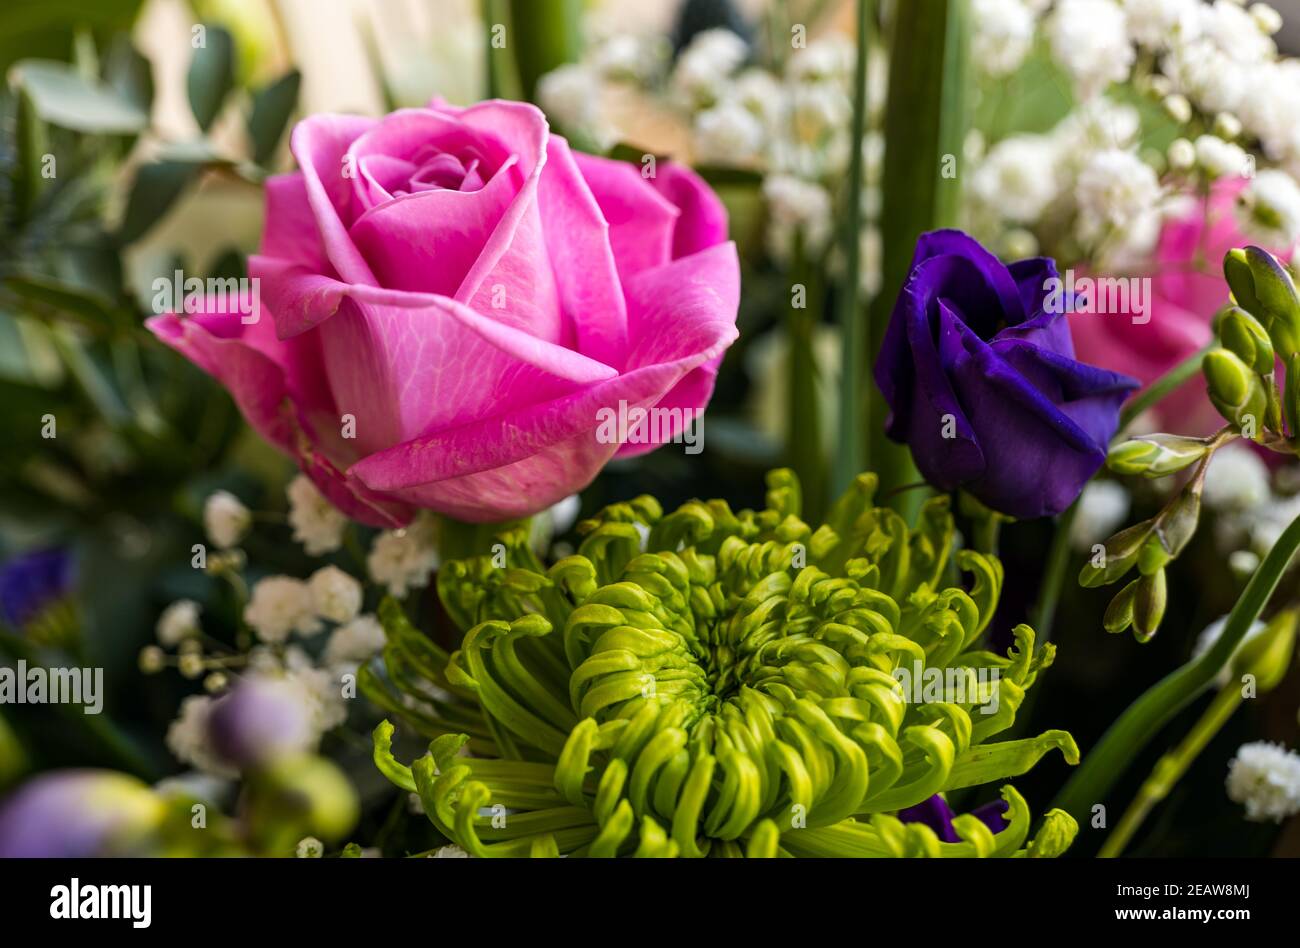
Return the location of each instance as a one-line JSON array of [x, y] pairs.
[[1178, 523], [1119, 614], [1236, 391], [1245, 337], [1267, 656], [1155, 455], [299, 796], [1262, 286], [1291, 401], [1118, 556], [1149, 601]]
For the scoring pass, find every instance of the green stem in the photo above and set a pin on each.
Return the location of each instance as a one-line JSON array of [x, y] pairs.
[[925, 127], [803, 419], [1171, 767], [491, 75], [544, 34], [105, 735], [1162, 386], [851, 458], [1145, 716], [1058, 559], [461, 541]]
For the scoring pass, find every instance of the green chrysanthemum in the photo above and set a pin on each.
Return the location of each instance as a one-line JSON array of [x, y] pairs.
[[718, 683]]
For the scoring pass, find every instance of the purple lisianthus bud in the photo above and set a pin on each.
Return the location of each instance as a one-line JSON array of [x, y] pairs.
[[978, 368], [938, 815], [259, 720], [76, 813]]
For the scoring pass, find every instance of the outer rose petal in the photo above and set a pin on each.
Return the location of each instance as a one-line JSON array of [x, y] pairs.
[[641, 220], [277, 388], [320, 143], [683, 317], [703, 221], [407, 363], [577, 242]]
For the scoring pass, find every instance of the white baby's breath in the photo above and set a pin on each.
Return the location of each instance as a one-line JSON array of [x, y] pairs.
[[1265, 778], [178, 622], [280, 606], [316, 523], [335, 595], [225, 519]]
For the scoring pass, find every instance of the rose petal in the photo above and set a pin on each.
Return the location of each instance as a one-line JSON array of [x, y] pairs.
[[641, 220]]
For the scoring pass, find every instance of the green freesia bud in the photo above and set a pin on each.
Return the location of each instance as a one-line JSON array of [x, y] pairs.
[[1236, 391], [1149, 601], [1267, 656], [1245, 337], [1262, 286], [1117, 556], [1119, 614], [1174, 528], [1155, 455], [1291, 400]]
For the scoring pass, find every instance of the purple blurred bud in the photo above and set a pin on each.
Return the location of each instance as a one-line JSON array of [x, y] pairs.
[[259, 720], [78, 813]]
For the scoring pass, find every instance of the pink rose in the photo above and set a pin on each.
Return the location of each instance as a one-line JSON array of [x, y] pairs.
[[1187, 289], [471, 293]]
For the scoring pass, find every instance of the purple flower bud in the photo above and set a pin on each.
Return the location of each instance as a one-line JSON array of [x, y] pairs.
[[30, 582], [259, 720], [938, 815], [79, 813]]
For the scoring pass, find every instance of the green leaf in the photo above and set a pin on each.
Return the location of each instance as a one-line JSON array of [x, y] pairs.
[[65, 98], [154, 191], [128, 73], [33, 145], [50, 300], [211, 75], [272, 107]]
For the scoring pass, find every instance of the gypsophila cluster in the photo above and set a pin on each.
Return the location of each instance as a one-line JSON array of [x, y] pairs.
[[789, 122], [1087, 192], [225, 519], [403, 559], [316, 523], [1265, 779]]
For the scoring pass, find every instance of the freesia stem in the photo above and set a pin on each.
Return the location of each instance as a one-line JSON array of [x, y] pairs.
[[1162, 386], [1058, 555], [1171, 767], [1145, 716]]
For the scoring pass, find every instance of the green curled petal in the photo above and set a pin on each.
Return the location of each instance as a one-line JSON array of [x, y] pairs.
[[764, 842]]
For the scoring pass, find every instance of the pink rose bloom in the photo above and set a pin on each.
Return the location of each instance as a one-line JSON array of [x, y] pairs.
[[1187, 289], [453, 296]]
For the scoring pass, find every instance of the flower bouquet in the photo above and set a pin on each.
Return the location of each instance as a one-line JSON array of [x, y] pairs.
[[357, 499]]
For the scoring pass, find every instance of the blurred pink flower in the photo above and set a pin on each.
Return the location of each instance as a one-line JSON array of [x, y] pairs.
[[454, 297], [1187, 289]]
